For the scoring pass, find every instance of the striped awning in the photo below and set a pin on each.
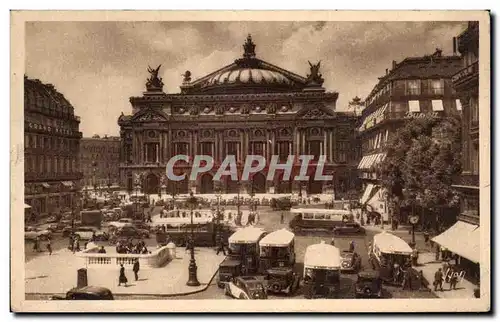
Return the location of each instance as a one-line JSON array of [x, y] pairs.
[[45, 185], [68, 183], [369, 161]]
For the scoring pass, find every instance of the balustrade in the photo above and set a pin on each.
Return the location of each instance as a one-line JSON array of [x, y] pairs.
[[156, 259]]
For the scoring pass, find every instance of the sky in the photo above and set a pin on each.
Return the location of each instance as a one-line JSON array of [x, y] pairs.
[[98, 66]]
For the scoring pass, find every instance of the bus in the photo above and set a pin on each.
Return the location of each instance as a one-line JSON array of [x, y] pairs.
[[319, 219]]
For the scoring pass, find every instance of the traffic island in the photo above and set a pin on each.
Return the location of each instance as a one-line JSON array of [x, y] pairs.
[[57, 273]]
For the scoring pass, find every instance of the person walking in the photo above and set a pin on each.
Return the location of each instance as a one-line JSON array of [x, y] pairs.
[[49, 246], [222, 246], [122, 279], [453, 279], [332, 242], [282, 220], [351, 246], [35, 244], [438, 280], [136, 269]]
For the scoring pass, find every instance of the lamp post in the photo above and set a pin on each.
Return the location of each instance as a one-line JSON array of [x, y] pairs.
[[94, 165], [217, 220], [193, 279]]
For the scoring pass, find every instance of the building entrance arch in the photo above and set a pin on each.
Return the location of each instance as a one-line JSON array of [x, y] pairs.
[[259, 183], [206, 183], [152, 184]]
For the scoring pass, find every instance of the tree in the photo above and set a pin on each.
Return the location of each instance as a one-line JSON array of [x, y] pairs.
[[422, 159]]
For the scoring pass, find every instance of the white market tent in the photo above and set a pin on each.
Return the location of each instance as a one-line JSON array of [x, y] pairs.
[[278, 238], [391, 244], [463, 239], [322, 256], [247, 235]]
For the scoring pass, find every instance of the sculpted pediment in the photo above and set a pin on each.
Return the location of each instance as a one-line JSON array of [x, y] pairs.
[[149, 116], [314, 113]]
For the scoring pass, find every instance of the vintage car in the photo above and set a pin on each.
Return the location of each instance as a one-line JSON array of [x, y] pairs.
[[120, 223], [31, 233], [139, 224], [351, 261], [282, 280], [277, 260], [321, 271], [247, 288], [388, 255], [349, 228], [86, 293], [368, 285], [131, 232], [86, 232], [228, 270]]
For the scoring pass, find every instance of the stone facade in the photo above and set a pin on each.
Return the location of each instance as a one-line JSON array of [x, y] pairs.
[[51, 145], [466, 84], [100, 161], [247, 107]]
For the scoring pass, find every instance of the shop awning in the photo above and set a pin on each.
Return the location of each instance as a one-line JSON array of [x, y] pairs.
[[459, 105], [68, 183], [377, 202], [27, 206], [367, 193], [362, 162], [45, 185], [463, 239]]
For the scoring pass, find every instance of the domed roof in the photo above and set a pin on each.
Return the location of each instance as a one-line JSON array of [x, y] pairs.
[[247, 74]]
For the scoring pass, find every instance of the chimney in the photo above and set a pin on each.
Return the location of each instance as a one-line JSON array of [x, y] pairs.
[[387, 71], [393, 64]]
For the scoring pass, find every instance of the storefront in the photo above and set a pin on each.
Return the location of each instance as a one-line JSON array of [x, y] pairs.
[[463, 240]]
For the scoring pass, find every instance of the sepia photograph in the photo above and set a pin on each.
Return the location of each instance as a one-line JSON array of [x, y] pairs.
[[326, 161]]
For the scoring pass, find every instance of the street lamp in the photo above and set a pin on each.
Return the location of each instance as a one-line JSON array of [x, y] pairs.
[[193, 279], [217, 220]]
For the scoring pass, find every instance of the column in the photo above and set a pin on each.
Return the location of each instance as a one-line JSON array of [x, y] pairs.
[[304, 148], [267, 145], [242, 144], [170, 146], [297, 142], [195, 145], [332, 157], [157, 152], [325, 147]]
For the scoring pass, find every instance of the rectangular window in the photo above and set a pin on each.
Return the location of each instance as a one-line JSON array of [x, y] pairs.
[[413, 87], [314, 148], [151, 152], [257, 148], [436, 86], [232, 148], [414, 106], [283, 150], [437, 105], [206, 148], [181, 148], [474, 109]]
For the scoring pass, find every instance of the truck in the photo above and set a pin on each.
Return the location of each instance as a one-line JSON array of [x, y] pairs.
[[91, 218]]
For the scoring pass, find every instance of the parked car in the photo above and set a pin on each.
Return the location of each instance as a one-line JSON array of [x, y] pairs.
[[350, 261], [131, 232], [247, 288], [141, 225], [31, 233], [86, 293], [349, 228], [121, 223], [368, 285]]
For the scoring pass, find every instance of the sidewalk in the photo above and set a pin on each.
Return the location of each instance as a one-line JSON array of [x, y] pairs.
[[56, 274], [465, 289]]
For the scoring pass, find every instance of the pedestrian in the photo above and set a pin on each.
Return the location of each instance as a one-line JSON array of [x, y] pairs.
[[453, 279], [222, 246], [136, 269], [93, 238], [332, 242], [49, 246], [122, 278], [351, 246], [35, 244], [282, 217], [438, 280], [437, 252], [407, 279]]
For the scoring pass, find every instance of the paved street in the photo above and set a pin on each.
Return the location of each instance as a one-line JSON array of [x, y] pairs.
[[270, 220]]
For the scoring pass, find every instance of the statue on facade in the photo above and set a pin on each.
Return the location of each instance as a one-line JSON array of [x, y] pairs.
[[187, 77], [154, 83], [315, 77]]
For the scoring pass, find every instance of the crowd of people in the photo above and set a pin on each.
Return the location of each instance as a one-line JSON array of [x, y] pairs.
[[128, 247]]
